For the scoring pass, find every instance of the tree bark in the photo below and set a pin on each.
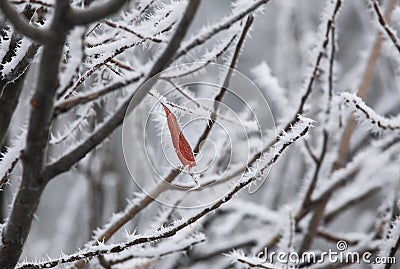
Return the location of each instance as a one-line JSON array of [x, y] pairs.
[[17, 227], [27, 200]]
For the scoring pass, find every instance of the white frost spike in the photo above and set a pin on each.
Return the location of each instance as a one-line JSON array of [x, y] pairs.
[[83, 112]]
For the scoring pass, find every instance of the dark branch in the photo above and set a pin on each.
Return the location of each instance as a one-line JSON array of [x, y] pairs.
[[26, 202], [93, 14], [22, 25], [83, 99], [225, 85], [384, 24]]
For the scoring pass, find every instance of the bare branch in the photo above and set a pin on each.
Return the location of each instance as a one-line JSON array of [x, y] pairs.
[[318, 164], [313, 227], [310, 152]]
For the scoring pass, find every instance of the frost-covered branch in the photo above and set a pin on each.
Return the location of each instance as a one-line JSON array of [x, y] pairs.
[[316, 68], [269, 159], [368, 117], [10, 158], [207, 59], [250, 262], [382, 21], [393, 243], [70, 105], [21, 25], [148, 253], [81, 99], [158, 253], [13, 72], [17, 67], [341, 177], [129, 30], [218, 98], [85, 16], [215, 29], [369, 74], [347, 204], [67, 161]]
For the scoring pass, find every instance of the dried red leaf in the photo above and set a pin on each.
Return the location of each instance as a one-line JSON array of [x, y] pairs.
[[181, 145]]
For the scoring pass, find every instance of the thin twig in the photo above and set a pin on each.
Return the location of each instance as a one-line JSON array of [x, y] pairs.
[[223, 26], [313, 227], [335, 238], [129, 257], [318, 165], [225, 85], [310, 84], [199, 67], [66, 105], [4, 180], [254, 265], [384, 24], [129, 30], [86, 16], [77, 67], [96, 67], [310, 152], [393, 252]]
